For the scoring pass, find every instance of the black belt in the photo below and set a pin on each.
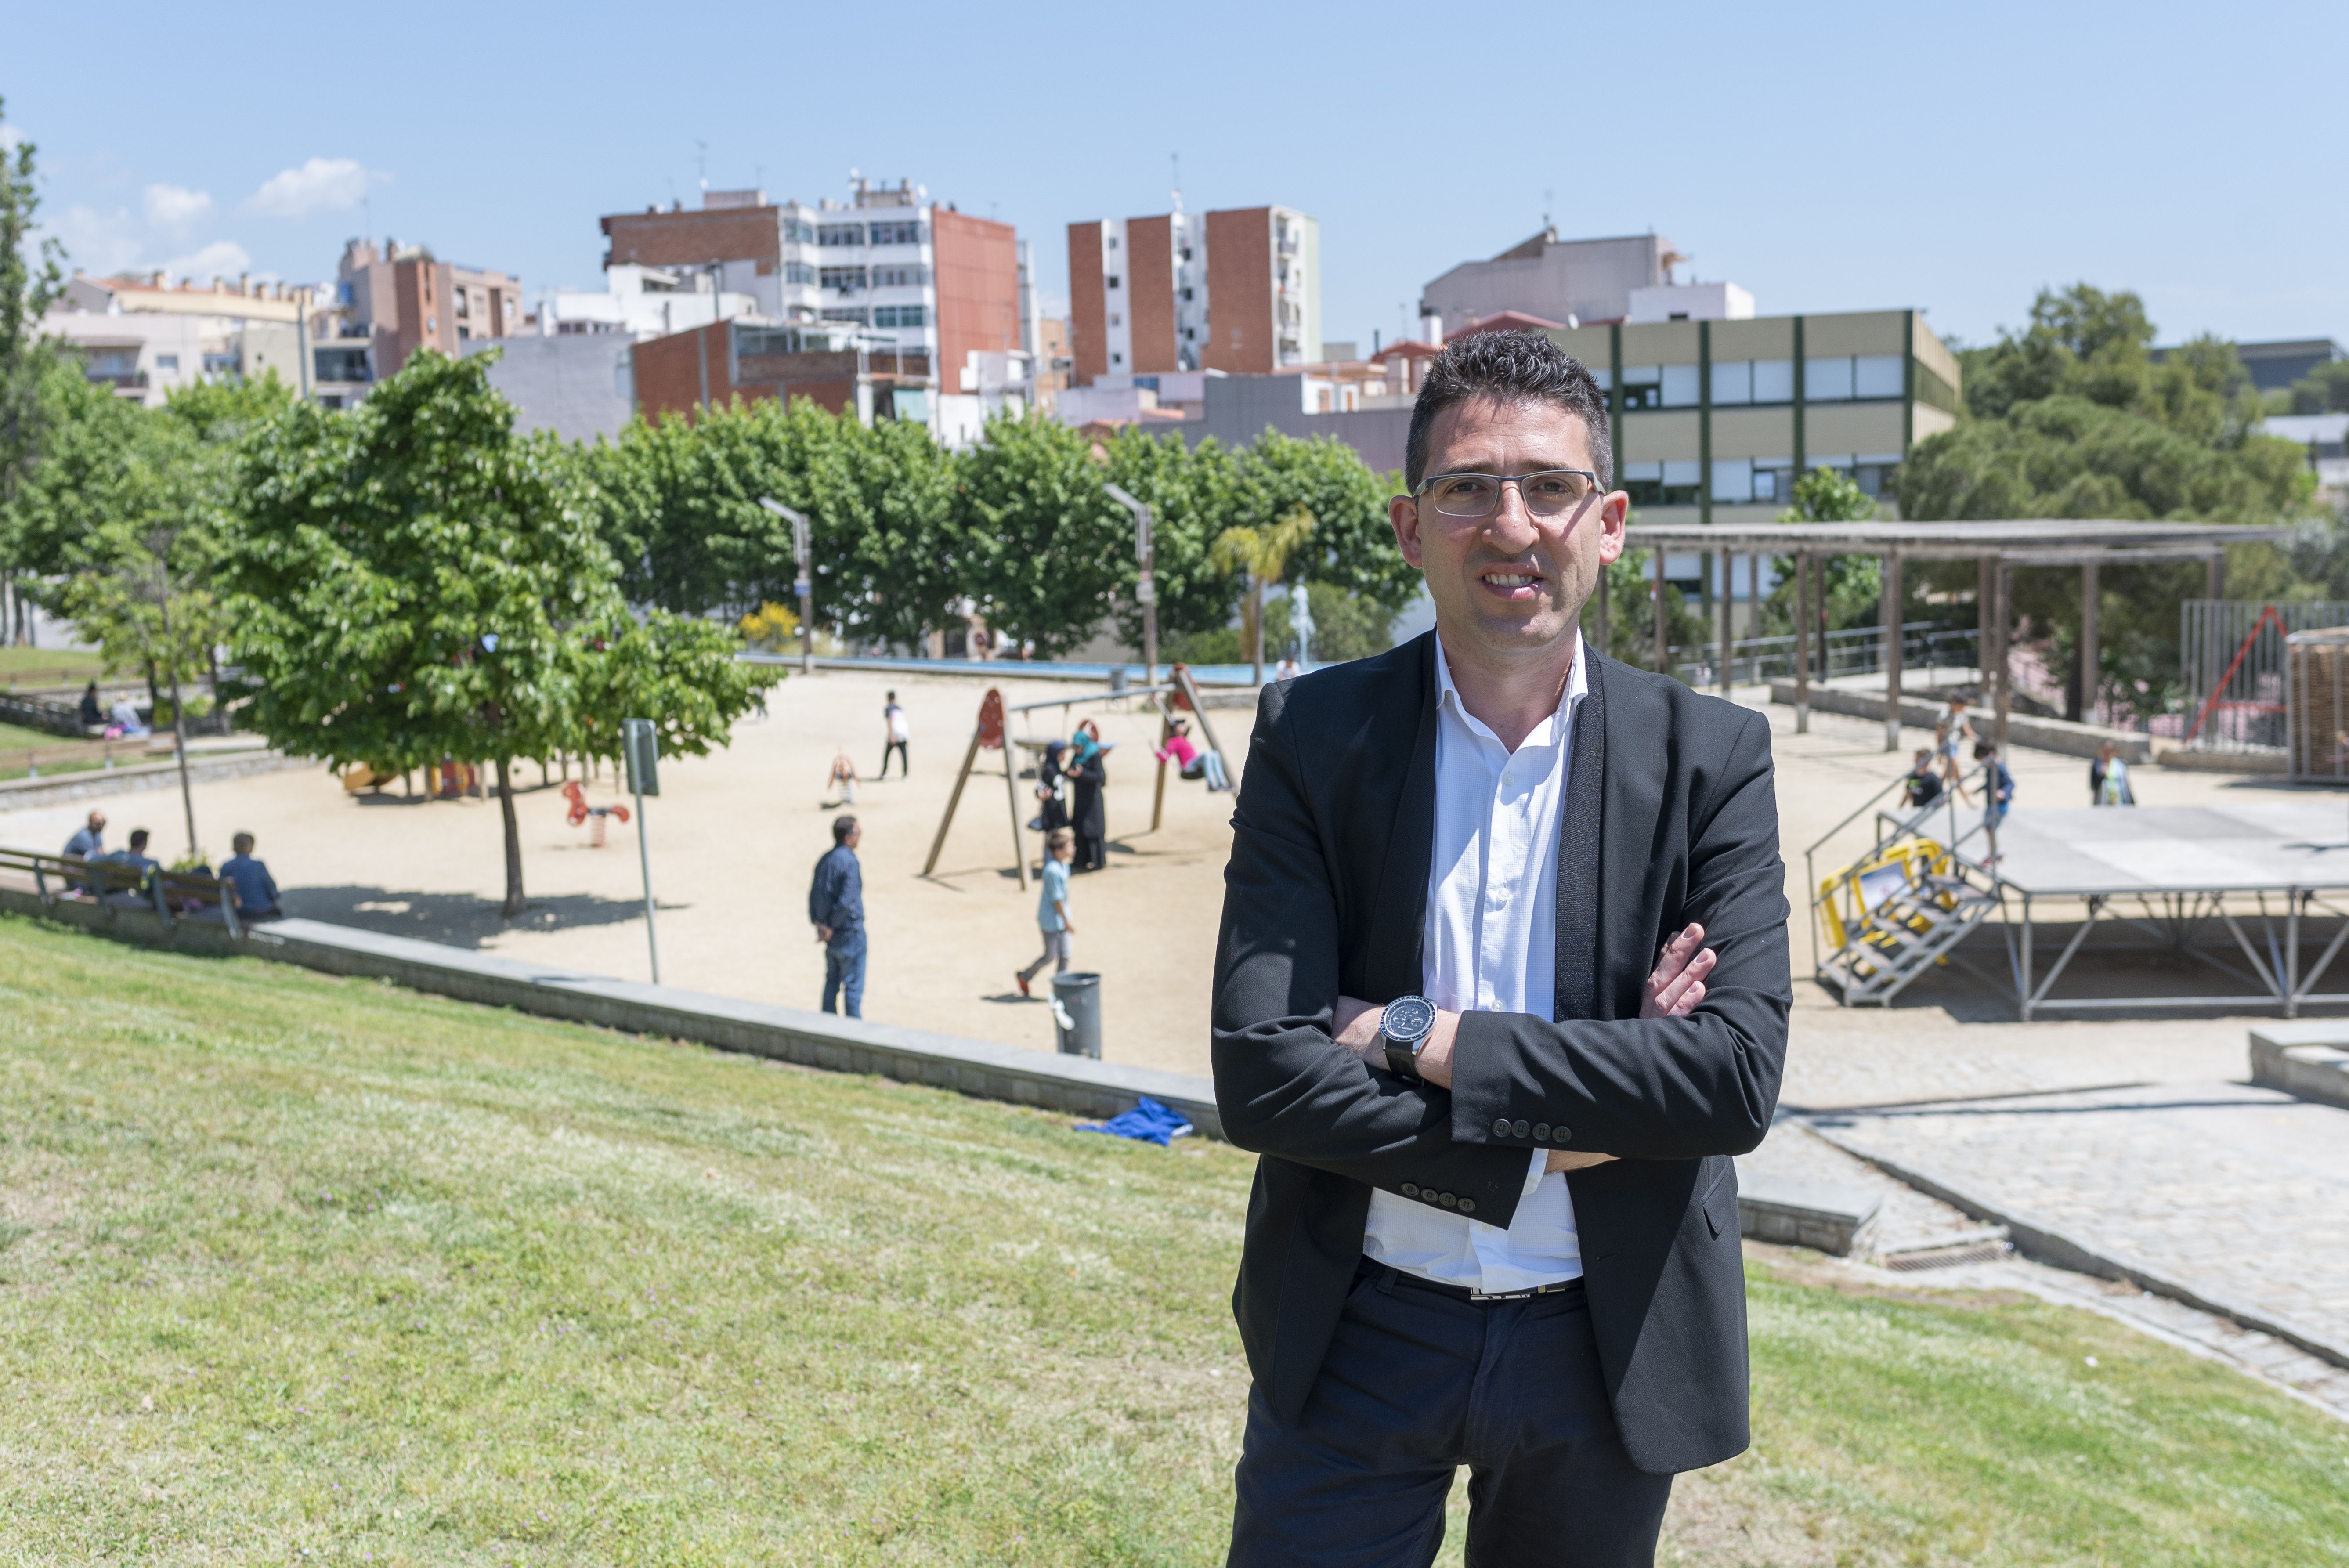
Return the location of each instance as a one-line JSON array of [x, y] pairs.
[[1395, 1276]]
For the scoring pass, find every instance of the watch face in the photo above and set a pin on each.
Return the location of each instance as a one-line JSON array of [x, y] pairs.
[[1408, 1018]]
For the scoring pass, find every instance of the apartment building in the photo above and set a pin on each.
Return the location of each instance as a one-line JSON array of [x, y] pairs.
[[1569, 282], [920, 280], [149, 336], [392, 300], [835, 365], [1236, 291]]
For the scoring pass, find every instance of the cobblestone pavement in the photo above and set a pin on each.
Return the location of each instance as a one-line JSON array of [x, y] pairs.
[[1910, 1219]]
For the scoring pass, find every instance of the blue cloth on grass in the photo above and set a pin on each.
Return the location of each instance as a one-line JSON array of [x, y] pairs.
[[1149, 1121]]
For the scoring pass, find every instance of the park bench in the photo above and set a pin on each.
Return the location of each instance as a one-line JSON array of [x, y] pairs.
[[172, 896]]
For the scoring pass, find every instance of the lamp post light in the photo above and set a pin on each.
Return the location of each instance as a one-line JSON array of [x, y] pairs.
[[1145, 590], [803, 584]]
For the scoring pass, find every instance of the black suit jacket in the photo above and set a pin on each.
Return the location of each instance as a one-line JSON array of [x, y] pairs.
[[1669, 816]]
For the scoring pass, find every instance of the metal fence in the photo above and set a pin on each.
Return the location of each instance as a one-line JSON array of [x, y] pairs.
[[1857, 651], [2233, 652]]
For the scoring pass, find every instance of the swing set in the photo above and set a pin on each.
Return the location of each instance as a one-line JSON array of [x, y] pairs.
[[1180, 695]]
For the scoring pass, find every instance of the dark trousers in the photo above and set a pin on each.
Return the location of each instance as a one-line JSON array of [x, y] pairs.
[[844, 973], [1417, 1383], [904, 767]]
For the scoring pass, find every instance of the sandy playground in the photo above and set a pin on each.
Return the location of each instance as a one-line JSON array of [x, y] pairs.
[[734, 837]]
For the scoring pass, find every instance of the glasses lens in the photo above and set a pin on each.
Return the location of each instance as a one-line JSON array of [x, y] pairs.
[[1464, 495], [1548, 494]]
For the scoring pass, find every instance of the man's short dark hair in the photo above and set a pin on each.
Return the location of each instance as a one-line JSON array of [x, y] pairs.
[[1518, 368], [137, 837], [241, 844], [841, 826]]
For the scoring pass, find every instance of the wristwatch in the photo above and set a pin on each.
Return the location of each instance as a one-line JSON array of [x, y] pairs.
[[1403, 1029]]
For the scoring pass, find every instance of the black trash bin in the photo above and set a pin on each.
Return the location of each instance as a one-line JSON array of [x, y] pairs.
[[1076, 995]]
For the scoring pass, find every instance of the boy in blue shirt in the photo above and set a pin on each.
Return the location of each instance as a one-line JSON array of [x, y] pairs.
[[1052, 907], [255, 889]]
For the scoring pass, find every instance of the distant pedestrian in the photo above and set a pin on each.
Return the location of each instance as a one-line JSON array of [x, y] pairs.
[[2109, 779], [1923, 786], [93, 714], [125, 719], [1053, 908], [844, 774], [89, 842], [1998, 784], [1048, 790], [1088, 816], [836, 910], [893, 719], [1289, 669], [248, 881], [1949, 737]]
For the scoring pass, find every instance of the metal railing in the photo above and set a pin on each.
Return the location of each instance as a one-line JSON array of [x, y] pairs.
[[1856, 651], [2232, 655]]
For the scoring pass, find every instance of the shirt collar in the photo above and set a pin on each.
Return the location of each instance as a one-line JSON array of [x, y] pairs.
[[1550, 729]]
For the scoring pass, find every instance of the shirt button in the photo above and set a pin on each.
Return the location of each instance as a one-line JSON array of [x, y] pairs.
[[1467, 1205], [1410, 1189], [1519, 1127], [1447, 1199], [1500, 1128], [1541, 1132]]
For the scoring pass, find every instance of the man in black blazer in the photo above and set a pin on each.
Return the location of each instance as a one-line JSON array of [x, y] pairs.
[[1496, 1225]]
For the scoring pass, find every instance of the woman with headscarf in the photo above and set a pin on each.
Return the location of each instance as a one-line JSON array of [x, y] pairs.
[[1055, 812], [1087, 816]]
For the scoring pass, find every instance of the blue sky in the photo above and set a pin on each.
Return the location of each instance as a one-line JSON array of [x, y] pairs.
[[1824, 157]]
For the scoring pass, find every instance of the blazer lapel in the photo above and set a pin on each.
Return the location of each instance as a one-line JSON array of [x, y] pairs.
[[1579, 994], [1399, 919]]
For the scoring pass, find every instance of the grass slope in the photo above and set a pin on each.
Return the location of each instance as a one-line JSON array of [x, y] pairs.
[[295, 1265]]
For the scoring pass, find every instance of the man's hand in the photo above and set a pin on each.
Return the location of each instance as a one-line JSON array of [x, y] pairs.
[[1673, 991], [823, 934], [1676, 985]]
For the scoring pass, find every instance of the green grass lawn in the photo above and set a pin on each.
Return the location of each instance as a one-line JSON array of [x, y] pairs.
[[290, 1265], [83, 663]]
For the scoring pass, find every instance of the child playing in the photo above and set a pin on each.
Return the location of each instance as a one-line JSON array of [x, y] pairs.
[[1052, 907], [844, 773]]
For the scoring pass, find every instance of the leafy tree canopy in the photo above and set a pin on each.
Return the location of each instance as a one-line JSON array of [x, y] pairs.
[[1046, 547]]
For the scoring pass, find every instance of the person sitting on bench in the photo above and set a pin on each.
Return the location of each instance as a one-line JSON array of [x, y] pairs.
[[134, 860], [248, 881]]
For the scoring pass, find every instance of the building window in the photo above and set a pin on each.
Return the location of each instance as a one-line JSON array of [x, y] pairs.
[[1117, 360], [1115, 319], [1682, 482], [165, 365], [1643, 386], [899, 232], [900, 315], [1872, 472], [1828, 380], [1112, 242], [1680, 387], [1733, 481], [1113, 280], [914, 275], [1732, 381], [845, 312], [1186, 294], [1773, 381], [798, 233], [839, 234], [464, 311], [798, 273], [847, 280], [1875, 375]]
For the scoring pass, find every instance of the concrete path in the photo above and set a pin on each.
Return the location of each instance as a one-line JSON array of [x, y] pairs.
[[2221, 1193], [1911, 1221]]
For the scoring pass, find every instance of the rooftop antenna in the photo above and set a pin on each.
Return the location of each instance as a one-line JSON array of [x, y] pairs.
[[1546, 202], [1176, 159], [702, 167]]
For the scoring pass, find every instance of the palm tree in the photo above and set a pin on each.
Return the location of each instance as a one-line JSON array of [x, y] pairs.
[[1263, 553]]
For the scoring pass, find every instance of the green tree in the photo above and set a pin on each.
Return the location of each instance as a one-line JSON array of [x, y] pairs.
[[1046, 547], [1345, 625], [1264, 553], [1194, 494], [1631, 590], [29, 282], [2324, 390], [1353, 544], [410, 581]]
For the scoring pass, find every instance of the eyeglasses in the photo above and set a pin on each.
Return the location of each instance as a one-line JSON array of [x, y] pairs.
[[1545, 493]]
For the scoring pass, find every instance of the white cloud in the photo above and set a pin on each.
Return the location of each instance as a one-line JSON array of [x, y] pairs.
[[99, 243], [176, 206], [220, 259], [330, 184]]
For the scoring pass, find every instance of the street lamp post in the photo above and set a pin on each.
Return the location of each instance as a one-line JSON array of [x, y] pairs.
[[803, 584], [1145, 590]]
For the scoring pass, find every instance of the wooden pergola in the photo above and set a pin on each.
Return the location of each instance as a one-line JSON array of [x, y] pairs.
[[1998, 546]]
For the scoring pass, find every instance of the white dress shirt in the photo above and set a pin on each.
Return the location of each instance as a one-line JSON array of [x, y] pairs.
[[1492, 946]]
